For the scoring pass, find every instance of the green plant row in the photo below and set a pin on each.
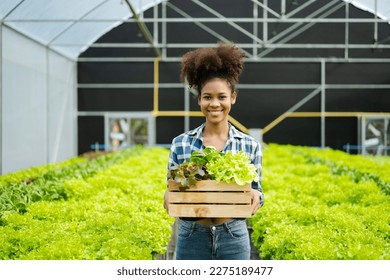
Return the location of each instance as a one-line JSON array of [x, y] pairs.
[[113, 210], [47, 182], [29, 175], [117, 213], [356, 175], [310, 213], [374, 166]]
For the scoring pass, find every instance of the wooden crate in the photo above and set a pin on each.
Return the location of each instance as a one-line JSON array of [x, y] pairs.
[[209, 199]]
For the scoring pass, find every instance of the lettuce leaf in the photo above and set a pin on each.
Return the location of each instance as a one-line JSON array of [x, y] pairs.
[[232, 168], [214, 165]]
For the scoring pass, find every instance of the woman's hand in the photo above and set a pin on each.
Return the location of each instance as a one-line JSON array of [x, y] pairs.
[[255, 201], [166, 200]]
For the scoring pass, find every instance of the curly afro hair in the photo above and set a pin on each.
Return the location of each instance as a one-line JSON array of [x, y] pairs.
[[201, 65]]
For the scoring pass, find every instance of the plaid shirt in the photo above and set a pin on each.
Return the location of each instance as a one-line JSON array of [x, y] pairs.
[[186, 143]]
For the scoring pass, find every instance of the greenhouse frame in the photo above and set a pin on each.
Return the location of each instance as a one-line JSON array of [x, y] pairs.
[[73, 70]]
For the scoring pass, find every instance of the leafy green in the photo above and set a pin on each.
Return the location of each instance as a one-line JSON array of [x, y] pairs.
[[29, 175], [207, 155], [48, 184], [188, 173], [314, 211], [115, 213], [358, 168], [232, 168], [321, 205], [214, 165]]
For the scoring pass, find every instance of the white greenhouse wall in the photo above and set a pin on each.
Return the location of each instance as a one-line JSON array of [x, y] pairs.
[[38, 106], [62, 113]]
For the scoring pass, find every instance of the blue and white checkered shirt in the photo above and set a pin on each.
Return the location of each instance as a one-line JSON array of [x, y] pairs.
[[186, 143]]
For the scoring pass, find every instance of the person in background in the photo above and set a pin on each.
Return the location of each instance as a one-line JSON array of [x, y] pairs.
[[214, 73]]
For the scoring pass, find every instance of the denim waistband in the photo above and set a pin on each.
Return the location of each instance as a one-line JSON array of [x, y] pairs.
[[197, 219], [223, 226]]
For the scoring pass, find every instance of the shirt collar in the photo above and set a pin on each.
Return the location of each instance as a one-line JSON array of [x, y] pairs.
[[233, 132]]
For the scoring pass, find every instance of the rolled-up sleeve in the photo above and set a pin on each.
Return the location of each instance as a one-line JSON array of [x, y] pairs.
[[257, 162], [172, 160]]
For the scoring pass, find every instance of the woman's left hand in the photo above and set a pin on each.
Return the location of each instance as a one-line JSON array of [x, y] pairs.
[[255, 201]]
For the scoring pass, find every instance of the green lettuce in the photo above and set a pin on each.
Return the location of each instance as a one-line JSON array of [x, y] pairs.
[[213, 165], [232, 168]]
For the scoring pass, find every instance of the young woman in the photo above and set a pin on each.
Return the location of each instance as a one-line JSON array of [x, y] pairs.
[[214, 73]]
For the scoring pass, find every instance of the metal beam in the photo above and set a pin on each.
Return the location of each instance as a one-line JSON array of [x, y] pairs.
[[240, 86], [164, 29], [346, 30], [201, 25], [72, 23], [265, 24], [255, 13], [303, 28], [144, 29], [187, 108], [299, 23], [155, 25], [300, 8], [241, 45], [208, 19], [376, 22], [280, 41], [337, 114], [289, 111], [36, 42], [323, 102], [1, 99], [12, 10], [199, 114], [247, 60], [156, 76], [265, 7], [230, 22]]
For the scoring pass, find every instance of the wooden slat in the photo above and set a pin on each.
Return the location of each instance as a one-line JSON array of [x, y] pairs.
[[207, 197], [209, 185], [210, 211]]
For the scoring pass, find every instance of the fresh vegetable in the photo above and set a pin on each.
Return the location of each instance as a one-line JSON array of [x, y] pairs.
[[232, 168], [312, 212], [320, 205], [214, 165], [17, 192], [114, 211]]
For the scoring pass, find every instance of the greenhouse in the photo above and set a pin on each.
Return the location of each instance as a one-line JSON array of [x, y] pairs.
[[91, 98]]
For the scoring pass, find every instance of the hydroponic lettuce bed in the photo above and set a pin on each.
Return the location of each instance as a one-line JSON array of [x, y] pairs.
[[107, 208], [320, 204], [323, 205]]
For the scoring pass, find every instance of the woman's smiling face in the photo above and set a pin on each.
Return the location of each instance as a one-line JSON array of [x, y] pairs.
[[216, 99]]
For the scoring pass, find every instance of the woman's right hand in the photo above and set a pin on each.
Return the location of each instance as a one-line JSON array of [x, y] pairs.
[[166, 200]]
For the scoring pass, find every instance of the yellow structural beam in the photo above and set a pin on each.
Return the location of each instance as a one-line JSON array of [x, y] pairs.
[[337, 114], [196, 114], [155, 83], [319, 114], [238, 125], [178, 114]]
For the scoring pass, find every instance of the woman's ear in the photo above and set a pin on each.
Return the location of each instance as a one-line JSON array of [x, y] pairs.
[[234, 97]]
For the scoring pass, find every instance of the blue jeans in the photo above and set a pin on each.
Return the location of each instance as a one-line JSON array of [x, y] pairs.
[[227, 241]]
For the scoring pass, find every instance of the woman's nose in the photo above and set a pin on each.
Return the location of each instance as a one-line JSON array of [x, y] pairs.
[[214, 102]]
